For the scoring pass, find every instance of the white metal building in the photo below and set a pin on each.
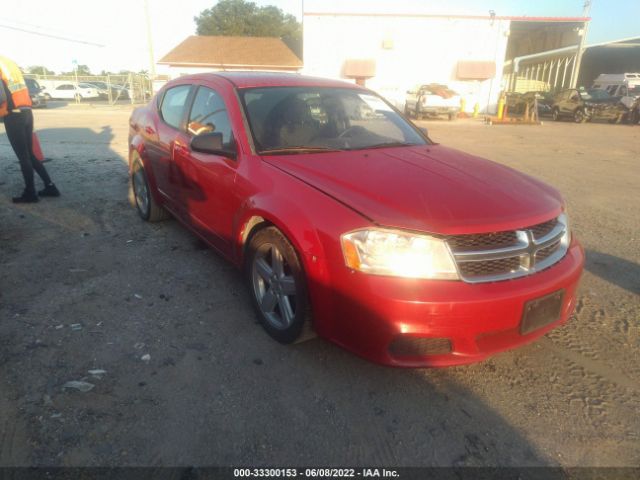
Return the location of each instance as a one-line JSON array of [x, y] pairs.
[[393, 52]]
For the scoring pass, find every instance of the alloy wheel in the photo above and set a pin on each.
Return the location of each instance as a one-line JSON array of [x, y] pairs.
[[274, 286], [141, 192]]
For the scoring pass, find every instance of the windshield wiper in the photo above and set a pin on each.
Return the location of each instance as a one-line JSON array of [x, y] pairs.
[[297, 149], [388, 144]]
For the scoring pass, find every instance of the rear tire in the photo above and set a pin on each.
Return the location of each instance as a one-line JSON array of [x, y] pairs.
[[579, 116], [556, 114], [278, 286], [452, 116], [146, 206]]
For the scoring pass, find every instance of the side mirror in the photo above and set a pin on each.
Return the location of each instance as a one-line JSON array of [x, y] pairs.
[[424, 131], [212, 143]]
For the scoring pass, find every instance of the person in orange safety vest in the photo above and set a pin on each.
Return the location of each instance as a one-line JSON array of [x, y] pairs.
[[15, 110]]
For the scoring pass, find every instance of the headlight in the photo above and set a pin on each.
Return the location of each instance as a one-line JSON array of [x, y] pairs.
[[398, 254], [566, 238]]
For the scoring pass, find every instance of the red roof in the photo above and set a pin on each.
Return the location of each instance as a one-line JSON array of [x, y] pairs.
[[236, 52]]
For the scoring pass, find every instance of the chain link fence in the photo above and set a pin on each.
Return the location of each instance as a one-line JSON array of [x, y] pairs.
[[133, 88]]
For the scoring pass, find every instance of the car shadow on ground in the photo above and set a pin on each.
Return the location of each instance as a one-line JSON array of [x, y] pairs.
[[616, 270], [216, 390]]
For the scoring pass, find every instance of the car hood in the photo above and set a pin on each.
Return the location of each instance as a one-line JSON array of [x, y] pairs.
[[426, 188]]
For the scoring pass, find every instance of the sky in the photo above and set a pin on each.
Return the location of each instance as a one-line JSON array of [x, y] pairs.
[[112, 35]]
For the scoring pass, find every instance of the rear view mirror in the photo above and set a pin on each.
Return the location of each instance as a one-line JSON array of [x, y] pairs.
[[211, 143]]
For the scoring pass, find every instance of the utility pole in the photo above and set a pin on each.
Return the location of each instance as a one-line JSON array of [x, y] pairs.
[[583, 39], [152, 63]]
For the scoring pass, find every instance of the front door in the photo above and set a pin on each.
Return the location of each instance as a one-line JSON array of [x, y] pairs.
[[207, 190]]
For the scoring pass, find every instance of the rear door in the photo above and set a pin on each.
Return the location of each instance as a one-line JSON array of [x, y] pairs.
[[64, 91], [170, 135]]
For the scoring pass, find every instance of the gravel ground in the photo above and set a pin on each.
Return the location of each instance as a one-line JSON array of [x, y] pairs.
[[190, 379]]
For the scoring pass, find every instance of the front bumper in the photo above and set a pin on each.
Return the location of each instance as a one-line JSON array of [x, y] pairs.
[[439, 110], [366, 313]]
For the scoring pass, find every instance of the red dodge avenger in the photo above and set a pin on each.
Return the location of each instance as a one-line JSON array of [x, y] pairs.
[[347, 220]]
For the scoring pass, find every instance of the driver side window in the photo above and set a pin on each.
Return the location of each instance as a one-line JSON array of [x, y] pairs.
[[209, 114]]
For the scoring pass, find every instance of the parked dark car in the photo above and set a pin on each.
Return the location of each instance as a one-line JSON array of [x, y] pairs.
[[585, 105], [38, 99], [517, 102]]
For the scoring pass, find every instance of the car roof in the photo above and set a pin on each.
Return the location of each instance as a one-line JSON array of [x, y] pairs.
[[270, 79]]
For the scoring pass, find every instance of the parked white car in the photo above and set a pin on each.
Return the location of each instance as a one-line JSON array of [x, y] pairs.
[[433, 99], [69, 91]]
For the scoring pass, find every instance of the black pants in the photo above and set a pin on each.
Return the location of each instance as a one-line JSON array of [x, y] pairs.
[[19, 127]]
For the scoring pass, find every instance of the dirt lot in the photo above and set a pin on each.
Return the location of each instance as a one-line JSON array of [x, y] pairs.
[[86, 285]]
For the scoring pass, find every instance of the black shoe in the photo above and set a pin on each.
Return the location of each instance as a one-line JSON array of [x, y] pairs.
[[26, 197], [49, 191]]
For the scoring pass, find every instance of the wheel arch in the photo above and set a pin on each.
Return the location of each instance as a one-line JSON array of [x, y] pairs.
[[299, 230], [137, 151]]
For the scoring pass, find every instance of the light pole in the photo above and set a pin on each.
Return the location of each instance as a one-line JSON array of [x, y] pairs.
[[152, 63], [583, 39]]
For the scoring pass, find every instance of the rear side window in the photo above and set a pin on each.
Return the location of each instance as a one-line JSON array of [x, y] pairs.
[[173, 105], [209, 114]]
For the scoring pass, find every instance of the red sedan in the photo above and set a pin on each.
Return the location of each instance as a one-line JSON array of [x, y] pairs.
[[349, 221]]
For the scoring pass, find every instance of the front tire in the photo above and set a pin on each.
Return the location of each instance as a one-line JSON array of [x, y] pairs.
[[146, 206], [579, 116], [556, 114], [278, 285]]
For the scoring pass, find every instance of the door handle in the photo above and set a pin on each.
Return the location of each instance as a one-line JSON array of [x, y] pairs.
[[180, 148]]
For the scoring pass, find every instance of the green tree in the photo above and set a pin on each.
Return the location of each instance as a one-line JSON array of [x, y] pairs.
[[81, 69], [39, 70], [243, 18]]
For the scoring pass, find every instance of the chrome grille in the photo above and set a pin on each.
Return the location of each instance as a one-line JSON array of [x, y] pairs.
[[546, 252], [495, 256], [489, 267], [465, 243], [543, 229]]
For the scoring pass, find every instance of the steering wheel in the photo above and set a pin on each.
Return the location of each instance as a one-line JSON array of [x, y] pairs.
[[352, 131]]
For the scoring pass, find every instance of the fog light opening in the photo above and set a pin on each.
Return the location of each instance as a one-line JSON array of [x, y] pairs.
[[405, 346]]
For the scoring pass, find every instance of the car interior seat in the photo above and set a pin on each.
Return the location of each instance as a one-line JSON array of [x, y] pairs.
[[290, 124]]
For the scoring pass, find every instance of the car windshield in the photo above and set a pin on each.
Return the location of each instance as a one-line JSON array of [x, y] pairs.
[[595, 95], [634, 91], [317, 119]]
